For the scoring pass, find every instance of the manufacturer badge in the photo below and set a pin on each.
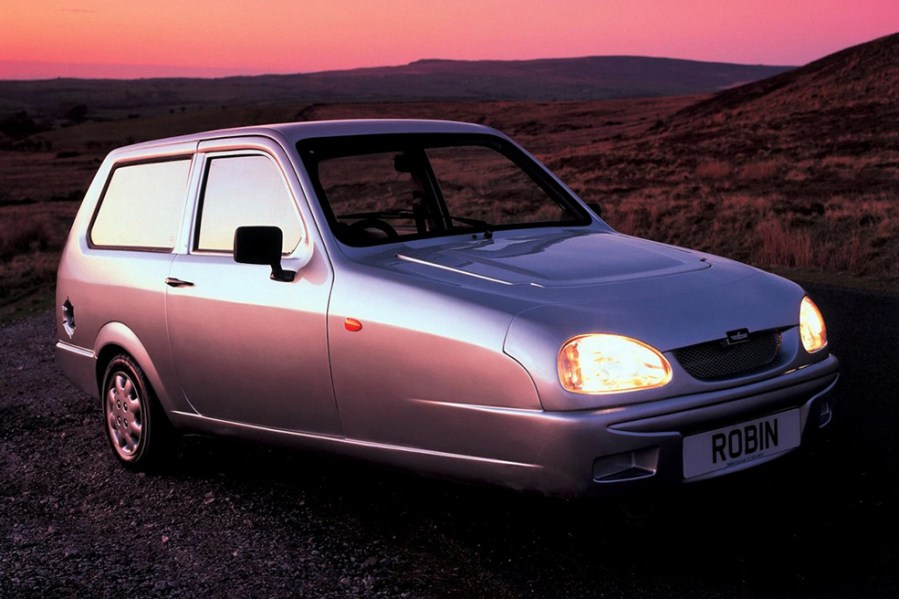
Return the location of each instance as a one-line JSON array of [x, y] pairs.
[[737, 336]]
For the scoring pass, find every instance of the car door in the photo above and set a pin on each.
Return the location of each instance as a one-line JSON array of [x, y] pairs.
[[247, 348]]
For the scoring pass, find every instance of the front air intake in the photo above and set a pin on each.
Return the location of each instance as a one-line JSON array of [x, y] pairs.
[[720, 359]]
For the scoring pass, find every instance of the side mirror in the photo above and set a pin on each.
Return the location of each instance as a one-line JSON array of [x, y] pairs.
[[596, 208], [261, 245]]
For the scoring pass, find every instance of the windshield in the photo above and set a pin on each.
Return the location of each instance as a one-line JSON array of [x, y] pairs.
[[385, 188]]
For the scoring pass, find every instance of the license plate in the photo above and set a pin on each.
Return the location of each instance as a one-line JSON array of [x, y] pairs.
[[735, 446]]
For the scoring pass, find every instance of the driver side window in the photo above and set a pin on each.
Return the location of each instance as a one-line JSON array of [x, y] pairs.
[[241, 191]]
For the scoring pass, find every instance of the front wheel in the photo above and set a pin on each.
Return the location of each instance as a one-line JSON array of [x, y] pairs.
[[138, 430]]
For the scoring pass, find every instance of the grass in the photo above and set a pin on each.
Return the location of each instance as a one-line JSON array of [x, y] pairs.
[[797, 197], [31, 237]]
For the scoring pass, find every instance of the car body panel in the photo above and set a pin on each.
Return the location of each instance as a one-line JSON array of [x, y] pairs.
[[420, 355], [232, 315]]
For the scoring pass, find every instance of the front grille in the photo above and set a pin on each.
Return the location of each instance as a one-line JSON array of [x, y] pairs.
[[718, 360]]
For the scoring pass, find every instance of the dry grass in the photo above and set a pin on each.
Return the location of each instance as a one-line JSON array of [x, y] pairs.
[[32, 230], [713, 169], [31, 237], [794, 194]]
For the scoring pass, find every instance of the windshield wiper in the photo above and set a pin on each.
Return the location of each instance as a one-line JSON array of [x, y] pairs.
[[479, 225], [391, 213]]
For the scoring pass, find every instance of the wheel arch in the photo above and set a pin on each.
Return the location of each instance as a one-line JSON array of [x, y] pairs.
[[104, 358], [117, 338]]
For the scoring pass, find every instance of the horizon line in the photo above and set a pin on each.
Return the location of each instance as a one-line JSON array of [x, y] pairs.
[[124, 72]]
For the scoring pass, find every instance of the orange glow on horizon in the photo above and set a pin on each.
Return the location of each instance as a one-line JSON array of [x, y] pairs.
[[227, 37]]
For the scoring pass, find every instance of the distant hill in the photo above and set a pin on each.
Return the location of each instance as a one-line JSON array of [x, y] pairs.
[[589, 78]]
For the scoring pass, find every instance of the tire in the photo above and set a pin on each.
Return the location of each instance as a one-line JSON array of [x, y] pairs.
[[137, 429]]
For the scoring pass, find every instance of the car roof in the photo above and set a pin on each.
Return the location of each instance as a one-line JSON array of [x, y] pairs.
[[293, 132]]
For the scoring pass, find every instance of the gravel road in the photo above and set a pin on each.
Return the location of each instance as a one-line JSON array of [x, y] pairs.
[[229, 520]]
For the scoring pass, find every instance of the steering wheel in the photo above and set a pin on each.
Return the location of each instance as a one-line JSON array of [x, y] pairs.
[[371, 230]]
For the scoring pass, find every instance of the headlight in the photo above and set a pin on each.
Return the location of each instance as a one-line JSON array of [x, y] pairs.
[[811, 326], [601, 363]]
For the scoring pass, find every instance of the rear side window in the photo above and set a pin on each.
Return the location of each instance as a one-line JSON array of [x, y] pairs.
[[245, 191], [141, 207]]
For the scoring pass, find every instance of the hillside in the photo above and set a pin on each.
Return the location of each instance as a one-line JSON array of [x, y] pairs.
[[589, 78], [848, 101], [800, 170], [863, 77]]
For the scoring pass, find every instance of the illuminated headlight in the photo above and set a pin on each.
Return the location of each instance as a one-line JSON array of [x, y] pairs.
[[599, 363], [811, 326]]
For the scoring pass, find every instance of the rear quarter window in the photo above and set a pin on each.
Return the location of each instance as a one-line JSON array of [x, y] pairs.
[[142, 205]]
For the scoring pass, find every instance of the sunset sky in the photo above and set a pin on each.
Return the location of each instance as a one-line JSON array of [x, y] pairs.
[[212, 38]]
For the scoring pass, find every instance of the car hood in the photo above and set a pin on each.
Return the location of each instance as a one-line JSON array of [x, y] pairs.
[[562, 259], [663, 295]]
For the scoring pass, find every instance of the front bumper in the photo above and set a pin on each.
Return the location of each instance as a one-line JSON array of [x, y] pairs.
[[638, 446], [603, 451]]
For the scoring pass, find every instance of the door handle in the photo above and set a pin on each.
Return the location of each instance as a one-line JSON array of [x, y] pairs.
[[173, 282]]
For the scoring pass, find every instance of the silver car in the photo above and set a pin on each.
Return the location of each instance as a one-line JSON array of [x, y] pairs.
[[424, 294]]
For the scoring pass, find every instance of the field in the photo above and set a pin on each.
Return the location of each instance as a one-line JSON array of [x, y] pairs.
[[836, 215], [808, 206]]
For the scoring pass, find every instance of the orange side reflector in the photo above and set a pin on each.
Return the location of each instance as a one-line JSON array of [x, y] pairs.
[[351, 324]]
